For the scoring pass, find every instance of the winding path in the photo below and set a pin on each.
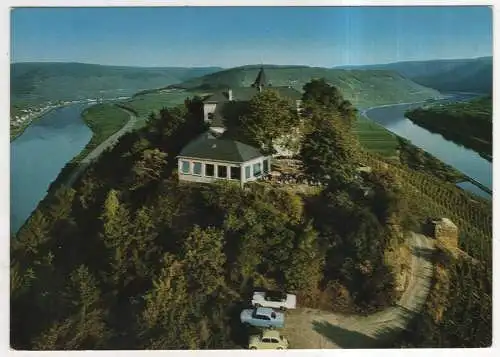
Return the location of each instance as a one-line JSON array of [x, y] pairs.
[[313, 329], [109, 142]]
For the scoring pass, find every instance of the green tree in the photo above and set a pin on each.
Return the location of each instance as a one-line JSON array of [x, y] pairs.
[[32, 235], [305, 266], [330, 98], [164, 323], [148, 168], [204, 260], [329, 152], [84, 327], [116, 227], [269, 117]]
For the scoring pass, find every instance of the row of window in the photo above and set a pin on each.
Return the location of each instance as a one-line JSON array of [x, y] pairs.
[[234, 171]]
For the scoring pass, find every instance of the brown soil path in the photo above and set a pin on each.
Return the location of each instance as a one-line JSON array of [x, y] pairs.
[[312, 328]]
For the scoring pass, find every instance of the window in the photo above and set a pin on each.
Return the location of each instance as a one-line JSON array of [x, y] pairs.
[[209, 170], [185, 167], [197, 168], [248, 174], [266, 166], [262, 317], [266, 340], [257, 169], [235, 173], [221, 171], [273, 340]]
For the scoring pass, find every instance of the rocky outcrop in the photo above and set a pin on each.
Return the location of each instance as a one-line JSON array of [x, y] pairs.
[[444, 229]]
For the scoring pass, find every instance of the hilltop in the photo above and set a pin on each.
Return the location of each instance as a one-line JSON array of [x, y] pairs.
[[468, 74], [362, 87], [36, 82]]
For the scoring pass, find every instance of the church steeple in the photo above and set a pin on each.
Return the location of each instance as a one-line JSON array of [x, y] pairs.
[[260, 81]]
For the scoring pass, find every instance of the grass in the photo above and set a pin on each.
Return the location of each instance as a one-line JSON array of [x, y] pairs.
[[144, 104], [375, 138], [104, 120]]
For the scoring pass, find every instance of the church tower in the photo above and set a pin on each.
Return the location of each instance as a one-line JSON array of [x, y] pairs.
[[260, 81]]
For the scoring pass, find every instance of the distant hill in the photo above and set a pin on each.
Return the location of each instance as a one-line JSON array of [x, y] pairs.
[[33, 82], [363, 87], [470, 74]]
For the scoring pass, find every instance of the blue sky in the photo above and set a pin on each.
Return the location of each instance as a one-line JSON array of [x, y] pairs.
[[232, 36]]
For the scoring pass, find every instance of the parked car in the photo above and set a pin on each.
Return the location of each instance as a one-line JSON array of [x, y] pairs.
[[274, 299], [268, 340], [263, 317]]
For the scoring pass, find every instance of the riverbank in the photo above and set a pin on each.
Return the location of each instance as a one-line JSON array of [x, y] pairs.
[[19, 130], [105, 135], [467, 123], [471, 166], [37, 157]]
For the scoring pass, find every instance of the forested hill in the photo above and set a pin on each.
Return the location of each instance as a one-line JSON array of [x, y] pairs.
[[361, 87], [468, 74], [468, 123], [34, 82]]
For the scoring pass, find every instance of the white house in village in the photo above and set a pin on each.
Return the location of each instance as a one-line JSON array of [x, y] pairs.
[[210, 158]]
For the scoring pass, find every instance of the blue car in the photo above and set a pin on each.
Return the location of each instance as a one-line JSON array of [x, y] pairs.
[[263, 317]]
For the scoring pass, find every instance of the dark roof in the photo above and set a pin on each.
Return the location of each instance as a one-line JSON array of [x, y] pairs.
[[206, 146], [217, 97], [260, 81], [288, 92], [244, 94], [247, 93]]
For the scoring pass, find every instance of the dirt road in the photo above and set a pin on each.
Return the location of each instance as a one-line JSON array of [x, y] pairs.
[[109, 142], [311, 328]]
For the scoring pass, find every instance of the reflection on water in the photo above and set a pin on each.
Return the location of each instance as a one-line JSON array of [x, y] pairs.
[[464, 160], [39, 154]]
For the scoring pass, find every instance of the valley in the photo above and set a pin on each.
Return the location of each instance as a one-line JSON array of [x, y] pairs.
[[122, 190]]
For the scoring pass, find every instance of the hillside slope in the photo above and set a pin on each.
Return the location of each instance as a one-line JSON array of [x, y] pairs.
[[469, 74], [474, 76], [39, 82], [364, 88]]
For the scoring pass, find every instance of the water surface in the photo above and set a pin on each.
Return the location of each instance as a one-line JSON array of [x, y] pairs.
[[465, 160], [38, 155]]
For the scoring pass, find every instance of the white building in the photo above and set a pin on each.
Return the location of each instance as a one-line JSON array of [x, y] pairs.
[[216, 106], [209, 158]]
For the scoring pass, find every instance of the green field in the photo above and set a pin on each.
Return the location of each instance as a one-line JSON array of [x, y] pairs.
[[153, 101], [104, 120], [375, 138]]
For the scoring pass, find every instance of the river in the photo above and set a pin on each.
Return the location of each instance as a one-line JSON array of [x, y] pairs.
[[465, 160], [39, 154]]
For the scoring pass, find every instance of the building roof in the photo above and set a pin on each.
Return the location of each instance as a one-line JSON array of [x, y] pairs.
[[247, 93], [261, 80], [244, 94], [217, 97], [206, 146]]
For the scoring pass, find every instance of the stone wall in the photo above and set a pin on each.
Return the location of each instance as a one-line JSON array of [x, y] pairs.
[[444, 229]]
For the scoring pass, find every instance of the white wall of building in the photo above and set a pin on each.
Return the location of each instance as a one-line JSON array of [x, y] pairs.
[[207, 109], [192, 177]]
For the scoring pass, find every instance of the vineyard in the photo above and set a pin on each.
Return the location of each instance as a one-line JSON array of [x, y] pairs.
[[466, 298], [434, 197]]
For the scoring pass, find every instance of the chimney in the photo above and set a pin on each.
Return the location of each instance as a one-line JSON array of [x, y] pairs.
[[230, 94]]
